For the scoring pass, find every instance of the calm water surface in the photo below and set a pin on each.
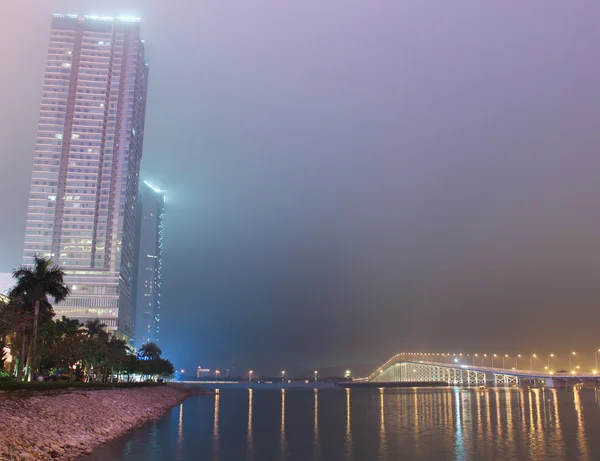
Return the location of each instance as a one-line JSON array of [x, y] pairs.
[[369, 424]]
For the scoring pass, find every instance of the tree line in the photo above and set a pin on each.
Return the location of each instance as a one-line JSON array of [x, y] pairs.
[[41, 347]]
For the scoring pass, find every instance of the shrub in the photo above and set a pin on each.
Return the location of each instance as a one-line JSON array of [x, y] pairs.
[[12, 386]]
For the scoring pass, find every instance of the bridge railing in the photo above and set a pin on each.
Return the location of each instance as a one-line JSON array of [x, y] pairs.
[[488, 370]]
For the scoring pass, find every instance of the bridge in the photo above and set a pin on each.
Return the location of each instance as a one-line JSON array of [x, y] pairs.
[[399, 369]]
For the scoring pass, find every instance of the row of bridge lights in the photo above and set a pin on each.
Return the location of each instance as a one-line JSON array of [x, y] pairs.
[[456, 357]]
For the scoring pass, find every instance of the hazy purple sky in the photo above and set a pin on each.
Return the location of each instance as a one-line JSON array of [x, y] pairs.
[[348, 179]]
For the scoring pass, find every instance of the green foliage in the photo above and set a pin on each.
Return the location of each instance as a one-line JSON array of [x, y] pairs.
[[150, 351], [95, 328], [157, 367], [39, 282], [10, 386], [65, 346]]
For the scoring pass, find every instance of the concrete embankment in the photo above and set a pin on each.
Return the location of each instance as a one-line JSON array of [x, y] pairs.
[[68, 425]]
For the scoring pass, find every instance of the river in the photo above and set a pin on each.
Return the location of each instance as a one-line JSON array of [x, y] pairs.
[[333, 424]]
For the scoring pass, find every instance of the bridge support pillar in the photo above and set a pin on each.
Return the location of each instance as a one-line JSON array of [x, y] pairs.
[[550, 382]]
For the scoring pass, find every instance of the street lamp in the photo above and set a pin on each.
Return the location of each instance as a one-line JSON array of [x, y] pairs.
[[217, 374], [316, 373], [484, 355], [549, 357], [517, 357], [182, 371], [493, 357], [533, 356], [474, 355], [282, 375], [504, 358], [596, 355], [570, 364], [249, 375]]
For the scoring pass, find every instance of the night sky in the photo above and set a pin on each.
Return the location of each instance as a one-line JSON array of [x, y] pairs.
[[348, 179]]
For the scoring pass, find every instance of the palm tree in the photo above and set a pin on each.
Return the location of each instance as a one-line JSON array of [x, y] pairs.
[[95, 328], [150, 351], [34, 285], [116, 355]]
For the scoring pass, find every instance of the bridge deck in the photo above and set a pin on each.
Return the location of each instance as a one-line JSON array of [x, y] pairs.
[[398, 369]]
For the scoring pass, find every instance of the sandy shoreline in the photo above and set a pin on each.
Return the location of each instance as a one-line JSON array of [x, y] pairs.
[[67, 426]]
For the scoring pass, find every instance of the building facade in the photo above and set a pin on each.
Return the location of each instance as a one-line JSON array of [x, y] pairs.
[[151, 209], [82, 201]]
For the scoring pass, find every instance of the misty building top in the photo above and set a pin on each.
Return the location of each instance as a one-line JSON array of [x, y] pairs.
[[98, 18], [95, 23]]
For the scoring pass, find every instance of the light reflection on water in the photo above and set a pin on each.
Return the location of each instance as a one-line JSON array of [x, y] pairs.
[[349, 452], [382, 436], [282, 442], [581, 438], [216, 427], [250, 437], [371, 424]]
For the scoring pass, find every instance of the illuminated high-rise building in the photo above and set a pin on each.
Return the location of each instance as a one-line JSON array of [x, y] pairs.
[[82, 201], [151, 209]]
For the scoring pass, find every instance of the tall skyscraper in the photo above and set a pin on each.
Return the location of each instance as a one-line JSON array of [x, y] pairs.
[[82, 201], [151, 208]]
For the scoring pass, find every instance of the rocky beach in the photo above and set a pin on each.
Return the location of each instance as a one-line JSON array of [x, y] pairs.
[[68, 425]]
